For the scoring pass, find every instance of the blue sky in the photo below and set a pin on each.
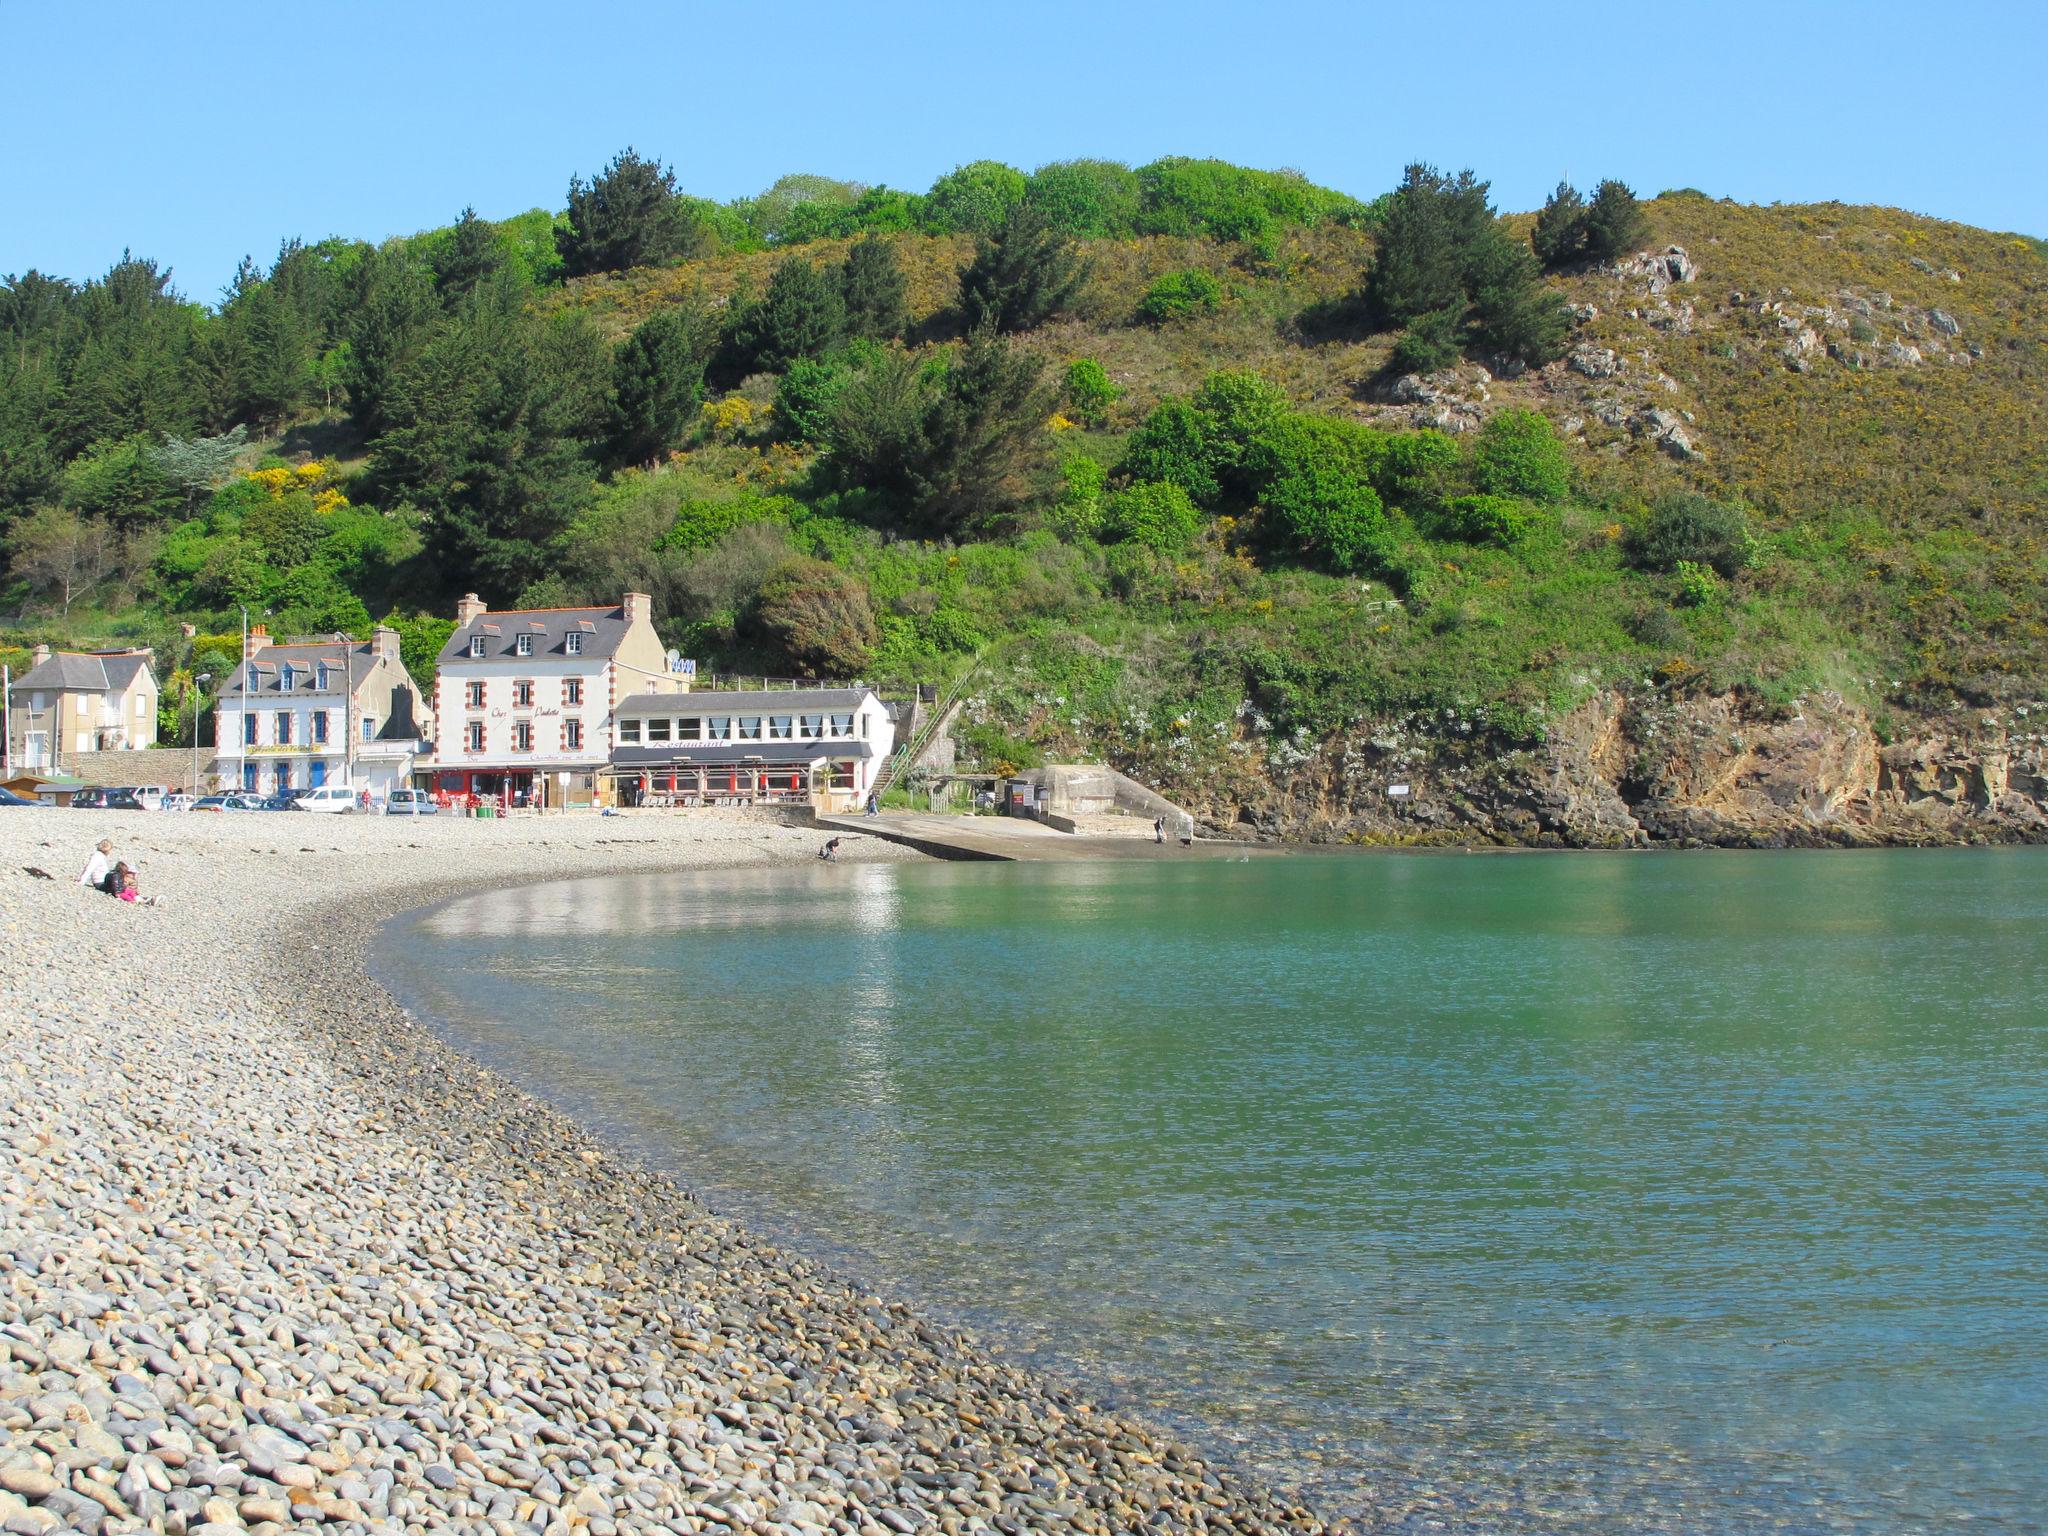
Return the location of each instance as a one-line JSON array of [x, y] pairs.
[[197, 132]]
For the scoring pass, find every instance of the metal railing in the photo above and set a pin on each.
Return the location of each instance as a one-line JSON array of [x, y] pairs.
[[906, 755]]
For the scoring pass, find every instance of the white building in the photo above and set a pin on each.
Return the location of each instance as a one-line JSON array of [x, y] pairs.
[[310, 712], [803, 746], [525, 697], [72, 702]]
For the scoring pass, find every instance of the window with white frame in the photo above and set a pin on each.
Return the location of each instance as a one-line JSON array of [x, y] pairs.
[[572, 688], [690, 728], [320, 677], [810, 727], [657, 730], [718, 727], [842, 725], [476, 646], [476, 735], [629, 732], [522, 693], [474, 690], [572, 735], [750, 727], [369, 727], [572, 643], [522, 736], [780, 727], [523, 645]]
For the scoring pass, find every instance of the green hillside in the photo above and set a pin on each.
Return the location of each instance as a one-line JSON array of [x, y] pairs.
[[1198, 464]]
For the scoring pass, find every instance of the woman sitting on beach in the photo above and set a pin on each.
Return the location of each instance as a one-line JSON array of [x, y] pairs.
[[98, 875], [128, 888]]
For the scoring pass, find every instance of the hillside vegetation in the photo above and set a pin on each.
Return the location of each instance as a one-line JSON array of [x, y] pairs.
[[1193, 462]]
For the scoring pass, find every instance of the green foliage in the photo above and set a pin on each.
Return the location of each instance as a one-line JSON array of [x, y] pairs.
[[1560, 230], [1155, 513], [1695, 585], [1431, 341], [1175, 445], [1176, 295], [771, 216], [806, 394], [1086, 199], [420, 638], [1180, 196], [285, 528], [121, 482], [1329, 512], [1240, 405], [974, 199], [1686, 527], [877, 211], [803, 314], [657, 386], [1503, 521], [821, 618], [1090, 391], [700, 524], [1078, 514], [1615, 222], [871, 285], [1518, 453], [1513, 314], [1023, 273], [628, 216]]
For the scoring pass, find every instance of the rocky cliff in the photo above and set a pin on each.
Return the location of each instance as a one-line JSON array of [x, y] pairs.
[[1630, 772]]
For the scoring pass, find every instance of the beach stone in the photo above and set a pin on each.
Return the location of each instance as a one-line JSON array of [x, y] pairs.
[[28, 1482]]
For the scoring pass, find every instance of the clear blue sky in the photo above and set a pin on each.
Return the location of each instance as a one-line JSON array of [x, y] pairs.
[[197, 132]]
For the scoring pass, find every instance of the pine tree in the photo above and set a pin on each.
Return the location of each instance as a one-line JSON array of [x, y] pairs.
[[469, 256], [1514, 314], [872, 286], [984, 446], [801, 315], [1615, 222], [394, 316], [628, 216], [1432, 228], [1560, 230], [1022, 275], [657, 384]]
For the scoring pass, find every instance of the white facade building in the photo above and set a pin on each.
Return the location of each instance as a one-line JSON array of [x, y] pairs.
[[821, 747], [525, 697], [312, 712]]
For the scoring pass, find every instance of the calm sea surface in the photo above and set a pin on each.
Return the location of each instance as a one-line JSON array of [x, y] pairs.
[[1695, 1193]]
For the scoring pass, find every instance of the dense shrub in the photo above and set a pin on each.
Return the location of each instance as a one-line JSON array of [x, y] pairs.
[[1432, 340], [871, 286], [1518, 454], [1686, 526], [628, 216], [1331, 514], [1176, 444], [821, 617], [1091, 391], [1657, 627], [1418, 470], [1155, 513], [700, 524], [1615, 222], [1299, 441], [1240, 406], [1503, 521], [805, 395], [1560, 229], [974, 199], [1180, 196], [801, 315], [1176, 295], [1088, 199], [1078, 514], [1696, 585]]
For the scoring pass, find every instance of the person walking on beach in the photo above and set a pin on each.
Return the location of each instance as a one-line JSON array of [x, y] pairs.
[[98, 873], [1187, 831], [1159, 829], [830, 852]]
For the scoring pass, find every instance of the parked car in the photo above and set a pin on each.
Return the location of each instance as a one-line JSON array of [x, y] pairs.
[[101, 799], [224, 803], [328, 799], [124, 800], [9, 797], [152, 796], [177, 802], [410, 802], [277, 802]]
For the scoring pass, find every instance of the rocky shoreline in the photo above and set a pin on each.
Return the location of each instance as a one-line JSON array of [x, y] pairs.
[[277, 1258]]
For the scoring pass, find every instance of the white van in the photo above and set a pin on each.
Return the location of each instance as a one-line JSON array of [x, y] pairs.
[[152, 796], [334, 799]]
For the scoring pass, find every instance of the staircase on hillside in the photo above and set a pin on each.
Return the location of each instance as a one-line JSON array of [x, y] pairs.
[[936, 723]]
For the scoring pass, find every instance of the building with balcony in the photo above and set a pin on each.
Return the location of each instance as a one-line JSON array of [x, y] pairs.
[[72, 702], [820, 747], [303, 713], [525, 698]]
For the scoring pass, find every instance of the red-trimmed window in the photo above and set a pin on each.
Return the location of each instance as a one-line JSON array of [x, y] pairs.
[[522, 736], [572, 690], [572, 735], [522, 693], [476, 735], [475, 690]]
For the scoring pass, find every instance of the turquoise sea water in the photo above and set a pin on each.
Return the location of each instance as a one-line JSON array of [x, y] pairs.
[[1591, 1193]]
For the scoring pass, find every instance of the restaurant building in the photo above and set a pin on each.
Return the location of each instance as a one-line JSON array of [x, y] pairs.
[[524, 698], [820, 747]]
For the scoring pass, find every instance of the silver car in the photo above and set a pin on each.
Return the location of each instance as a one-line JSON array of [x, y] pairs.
[[410, 802]]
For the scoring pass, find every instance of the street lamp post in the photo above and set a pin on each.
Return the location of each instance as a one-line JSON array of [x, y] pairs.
[[242, 725], [191, 688]]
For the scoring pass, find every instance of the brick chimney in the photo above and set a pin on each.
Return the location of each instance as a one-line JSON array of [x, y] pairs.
[[259, 639], [470, 608], [384, 643], [637, 606], [42, 655]]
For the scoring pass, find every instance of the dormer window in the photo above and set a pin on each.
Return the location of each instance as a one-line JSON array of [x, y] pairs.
[[476, 646], [320, 677], [287, 679], [523, 645], [573, 643]]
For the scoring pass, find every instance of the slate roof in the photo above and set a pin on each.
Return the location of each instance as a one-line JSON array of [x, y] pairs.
[[736, 754], [778, 701], [602, 630], [85, 672], [266, 669]]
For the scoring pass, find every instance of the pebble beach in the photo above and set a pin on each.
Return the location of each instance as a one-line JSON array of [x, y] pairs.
[[277, 1258]]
